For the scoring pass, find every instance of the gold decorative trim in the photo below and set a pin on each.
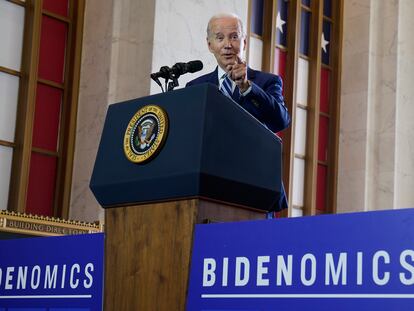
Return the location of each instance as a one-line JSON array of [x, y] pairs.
[[44, 226]]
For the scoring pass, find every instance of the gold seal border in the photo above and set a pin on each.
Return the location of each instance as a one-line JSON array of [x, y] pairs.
[[159, 140]]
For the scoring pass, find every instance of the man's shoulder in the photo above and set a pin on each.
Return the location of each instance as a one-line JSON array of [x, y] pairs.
[[262, 74], [202, 79], [263, 78]]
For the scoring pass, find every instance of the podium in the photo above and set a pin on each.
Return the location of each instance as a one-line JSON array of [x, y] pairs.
[[213, 163]]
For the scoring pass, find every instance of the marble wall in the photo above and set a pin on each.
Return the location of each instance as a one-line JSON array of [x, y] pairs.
[[124, 41], [375, 156]]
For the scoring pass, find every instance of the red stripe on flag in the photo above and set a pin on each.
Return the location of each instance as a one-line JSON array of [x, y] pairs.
[[321, 188], [280, 63], [52, 49], [324, 101], [56, 6], [41, 185], [323, 138], [47, 117]]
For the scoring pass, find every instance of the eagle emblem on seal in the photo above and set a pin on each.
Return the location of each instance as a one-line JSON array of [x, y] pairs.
[[145, 134]]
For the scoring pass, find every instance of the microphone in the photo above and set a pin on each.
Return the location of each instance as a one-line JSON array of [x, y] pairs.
[[181, 68], [163, 73], [174, 72], [177, 70]]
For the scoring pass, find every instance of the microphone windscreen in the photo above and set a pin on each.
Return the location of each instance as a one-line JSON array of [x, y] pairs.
[[194, 66]]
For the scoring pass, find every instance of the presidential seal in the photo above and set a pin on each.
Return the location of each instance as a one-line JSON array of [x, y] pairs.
[[145, 134]]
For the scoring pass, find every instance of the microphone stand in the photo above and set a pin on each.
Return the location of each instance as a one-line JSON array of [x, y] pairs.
[[159, 83], [170, 74], [174, 73], [173, 83]]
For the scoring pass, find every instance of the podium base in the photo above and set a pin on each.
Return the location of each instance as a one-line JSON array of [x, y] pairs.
[[148, 251]]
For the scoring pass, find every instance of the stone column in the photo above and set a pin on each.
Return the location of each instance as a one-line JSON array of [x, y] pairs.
[[354, 109], [404, 152], [376, 152], [116, 62]]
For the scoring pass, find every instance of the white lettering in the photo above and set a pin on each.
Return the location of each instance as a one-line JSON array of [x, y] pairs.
[[335, 272], [74, 284], [224, 279], [375, 272], [50, 278], [209, 277], [261, 270], [312, 279], [62, 284], [284, 270], [242, 261], [407, 266], [9, 278], [88, 268], [359, 268], [35, 281], [22, 277]]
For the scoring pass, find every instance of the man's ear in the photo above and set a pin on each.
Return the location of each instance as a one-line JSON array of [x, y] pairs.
[[208, 44], [244, 43]]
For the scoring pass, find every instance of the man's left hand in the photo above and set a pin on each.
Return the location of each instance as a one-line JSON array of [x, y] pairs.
[[238, 73]]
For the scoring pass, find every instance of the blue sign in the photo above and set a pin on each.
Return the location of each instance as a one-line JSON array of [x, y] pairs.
[[52, 274], [358, 262]]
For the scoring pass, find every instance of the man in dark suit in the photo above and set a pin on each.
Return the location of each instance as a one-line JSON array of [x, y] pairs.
[[258, 92]]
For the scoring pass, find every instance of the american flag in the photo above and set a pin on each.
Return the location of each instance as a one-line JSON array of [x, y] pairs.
[[301, 104]]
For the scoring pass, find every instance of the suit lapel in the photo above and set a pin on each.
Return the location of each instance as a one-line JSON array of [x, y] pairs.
[[213, 77], [250, 74]]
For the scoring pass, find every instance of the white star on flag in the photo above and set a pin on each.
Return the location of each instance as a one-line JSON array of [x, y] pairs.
[[324, 43], [279, 22]]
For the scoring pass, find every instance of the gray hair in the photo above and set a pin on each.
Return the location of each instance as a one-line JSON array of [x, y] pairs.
[[223, 15]]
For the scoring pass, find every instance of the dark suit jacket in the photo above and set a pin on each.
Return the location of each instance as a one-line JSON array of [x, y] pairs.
[[265, 102]]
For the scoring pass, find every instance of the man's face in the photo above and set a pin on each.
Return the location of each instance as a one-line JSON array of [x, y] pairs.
[[226, 41]]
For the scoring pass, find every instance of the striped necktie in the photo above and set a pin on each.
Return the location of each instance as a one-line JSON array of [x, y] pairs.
[[226, 87]]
